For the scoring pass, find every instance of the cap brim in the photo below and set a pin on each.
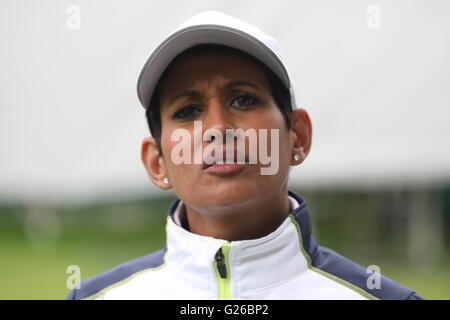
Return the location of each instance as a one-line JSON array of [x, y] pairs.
[[202, 34]]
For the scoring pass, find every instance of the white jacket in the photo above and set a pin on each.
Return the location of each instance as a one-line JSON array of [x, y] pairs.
[[285, 264]]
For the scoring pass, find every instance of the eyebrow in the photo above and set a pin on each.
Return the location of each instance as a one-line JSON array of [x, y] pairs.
[[229, 85]]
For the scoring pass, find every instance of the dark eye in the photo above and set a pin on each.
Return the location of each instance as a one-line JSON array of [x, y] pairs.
[[187, 112], [244, 101]]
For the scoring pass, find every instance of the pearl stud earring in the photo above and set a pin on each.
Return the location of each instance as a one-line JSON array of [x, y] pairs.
[[297, 157], [166, 181]]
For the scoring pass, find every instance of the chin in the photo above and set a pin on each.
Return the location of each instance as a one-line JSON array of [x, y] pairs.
[[230, 195]]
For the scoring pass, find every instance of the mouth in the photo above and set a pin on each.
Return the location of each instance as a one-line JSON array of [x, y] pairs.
[[225, 166]]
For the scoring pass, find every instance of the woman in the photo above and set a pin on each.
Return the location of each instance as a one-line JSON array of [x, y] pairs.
[[235, 232]]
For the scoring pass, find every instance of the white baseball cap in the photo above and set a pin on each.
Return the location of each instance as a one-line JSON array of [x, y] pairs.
[[216, 28]]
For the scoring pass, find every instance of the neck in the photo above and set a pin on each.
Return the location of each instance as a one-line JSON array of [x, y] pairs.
[[241, 222]]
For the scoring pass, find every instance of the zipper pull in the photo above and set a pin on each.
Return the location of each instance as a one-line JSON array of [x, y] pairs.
[[220, 262]]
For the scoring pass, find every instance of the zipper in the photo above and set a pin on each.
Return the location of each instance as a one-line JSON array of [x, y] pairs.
[[223, 272]]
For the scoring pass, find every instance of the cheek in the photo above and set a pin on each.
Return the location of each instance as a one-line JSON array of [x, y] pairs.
[[285, 148], [274, 143], [179, 172], [275, 125], [167, 146]]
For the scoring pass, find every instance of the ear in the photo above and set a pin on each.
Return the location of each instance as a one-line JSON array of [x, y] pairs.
[[301, 129], [154, 163]]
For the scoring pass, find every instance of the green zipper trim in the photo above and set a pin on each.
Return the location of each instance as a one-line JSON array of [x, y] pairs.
[[224, 284]]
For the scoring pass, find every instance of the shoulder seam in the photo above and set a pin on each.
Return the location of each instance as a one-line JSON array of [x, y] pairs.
[[125, 280], [325, 273], [409, 296]]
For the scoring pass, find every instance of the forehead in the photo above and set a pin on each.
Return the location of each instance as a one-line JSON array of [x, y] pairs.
[[188, 72]]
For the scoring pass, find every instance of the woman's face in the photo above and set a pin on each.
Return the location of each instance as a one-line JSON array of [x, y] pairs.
[[211, 100]]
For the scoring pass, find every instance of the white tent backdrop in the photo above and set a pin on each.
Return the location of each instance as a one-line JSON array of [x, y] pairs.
[[71, 124]]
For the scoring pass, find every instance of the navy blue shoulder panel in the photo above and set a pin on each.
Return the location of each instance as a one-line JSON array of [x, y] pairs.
[[345, 269], [95, 284], [341, 267]]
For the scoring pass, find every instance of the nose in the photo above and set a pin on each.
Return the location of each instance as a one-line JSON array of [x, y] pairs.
[[217, 117]]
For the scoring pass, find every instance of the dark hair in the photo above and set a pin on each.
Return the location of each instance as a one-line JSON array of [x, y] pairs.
[[279, 91]]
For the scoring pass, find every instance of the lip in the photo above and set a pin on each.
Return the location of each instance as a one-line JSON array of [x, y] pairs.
[[226, 168]]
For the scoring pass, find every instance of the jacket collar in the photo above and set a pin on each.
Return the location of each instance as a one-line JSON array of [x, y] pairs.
[[253, 263]]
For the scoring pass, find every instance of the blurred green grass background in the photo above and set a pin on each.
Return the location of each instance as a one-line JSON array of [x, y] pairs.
[[35, 254]]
